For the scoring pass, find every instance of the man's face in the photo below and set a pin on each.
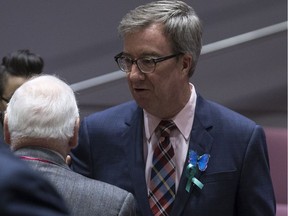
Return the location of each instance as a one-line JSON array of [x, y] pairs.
[[159, 92]]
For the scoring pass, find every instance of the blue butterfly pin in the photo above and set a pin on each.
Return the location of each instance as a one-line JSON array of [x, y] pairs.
[[200, 161], [195, 161]]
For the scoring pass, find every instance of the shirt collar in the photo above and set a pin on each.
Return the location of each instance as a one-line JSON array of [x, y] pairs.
[[183, 120]]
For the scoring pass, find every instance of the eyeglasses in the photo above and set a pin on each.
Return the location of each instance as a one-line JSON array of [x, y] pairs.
[[6, 100], [144, 64]]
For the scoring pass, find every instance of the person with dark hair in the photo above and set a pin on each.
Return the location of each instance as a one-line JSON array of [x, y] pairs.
[[23, 63], [15, 69], [178, 153]]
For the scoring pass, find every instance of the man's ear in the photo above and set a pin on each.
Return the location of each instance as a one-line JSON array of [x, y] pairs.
[[7, 137], [187, 63], [74, 139]]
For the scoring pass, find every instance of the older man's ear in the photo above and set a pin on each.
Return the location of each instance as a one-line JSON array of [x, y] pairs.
[[73, 141]]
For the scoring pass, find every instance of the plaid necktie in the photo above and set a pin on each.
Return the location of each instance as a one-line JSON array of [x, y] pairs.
[[162, 183]]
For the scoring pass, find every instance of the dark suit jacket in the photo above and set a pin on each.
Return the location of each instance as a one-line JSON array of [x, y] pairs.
[[236, 182], [2, 141], [83, 196], [23, 192]]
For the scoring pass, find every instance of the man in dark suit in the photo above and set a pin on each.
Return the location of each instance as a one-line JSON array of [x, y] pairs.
[[24, 192], [214, 162], [41, 125]]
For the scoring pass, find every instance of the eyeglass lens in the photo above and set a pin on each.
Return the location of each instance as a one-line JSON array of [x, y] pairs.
[[4, 99], [145, 65]]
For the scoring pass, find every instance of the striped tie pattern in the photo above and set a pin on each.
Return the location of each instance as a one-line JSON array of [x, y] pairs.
[[162, 183]]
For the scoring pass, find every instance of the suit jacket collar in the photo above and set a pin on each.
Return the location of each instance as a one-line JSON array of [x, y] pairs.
[[134, 134], [43, 154]]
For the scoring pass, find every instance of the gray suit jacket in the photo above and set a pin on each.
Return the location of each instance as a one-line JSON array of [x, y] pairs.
[[83, 196]]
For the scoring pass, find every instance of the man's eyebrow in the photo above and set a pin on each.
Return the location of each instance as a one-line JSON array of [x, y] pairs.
[[144, 54]]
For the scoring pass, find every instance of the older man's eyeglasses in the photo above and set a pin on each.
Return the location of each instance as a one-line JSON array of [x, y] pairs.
[[144, 64], [5, 99]]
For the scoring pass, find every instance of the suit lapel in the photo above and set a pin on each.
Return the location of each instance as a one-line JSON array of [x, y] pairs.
[[136, 162], [200, 142]]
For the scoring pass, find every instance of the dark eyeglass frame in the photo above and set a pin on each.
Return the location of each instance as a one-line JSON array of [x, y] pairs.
[[6, 100], [154, 60]]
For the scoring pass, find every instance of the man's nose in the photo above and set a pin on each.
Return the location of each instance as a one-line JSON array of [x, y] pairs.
[[135, 72]]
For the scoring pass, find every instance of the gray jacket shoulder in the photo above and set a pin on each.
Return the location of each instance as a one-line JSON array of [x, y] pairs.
[[85, 196]]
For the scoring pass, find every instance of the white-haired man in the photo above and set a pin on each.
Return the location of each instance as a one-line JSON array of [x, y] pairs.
[[41, 124]]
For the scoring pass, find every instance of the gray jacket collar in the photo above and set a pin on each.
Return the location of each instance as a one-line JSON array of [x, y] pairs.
[[43, 154]]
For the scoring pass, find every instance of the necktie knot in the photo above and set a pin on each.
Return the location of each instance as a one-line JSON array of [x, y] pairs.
[[165, 127]]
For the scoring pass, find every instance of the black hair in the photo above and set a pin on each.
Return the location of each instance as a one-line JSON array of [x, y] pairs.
[[22, 63]]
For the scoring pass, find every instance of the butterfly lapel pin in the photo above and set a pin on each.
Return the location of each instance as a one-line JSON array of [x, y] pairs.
[[195, 163]]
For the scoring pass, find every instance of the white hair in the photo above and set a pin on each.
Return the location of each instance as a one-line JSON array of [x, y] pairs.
[[43, 107]]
